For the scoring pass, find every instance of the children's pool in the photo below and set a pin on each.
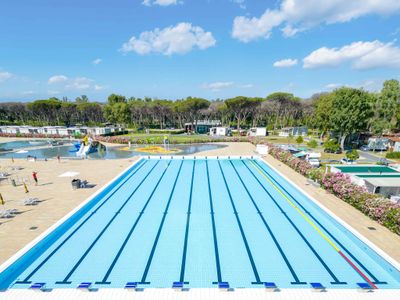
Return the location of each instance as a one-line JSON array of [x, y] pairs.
[[42, 149], [201, 221]]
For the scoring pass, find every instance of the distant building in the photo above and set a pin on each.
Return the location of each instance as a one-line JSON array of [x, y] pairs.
[[294, 131], [394, 144], [203, 126], [60, 130], [257, 131], [220, 131]]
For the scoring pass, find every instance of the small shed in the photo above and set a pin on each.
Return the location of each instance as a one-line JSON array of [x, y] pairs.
[[257, 131], [220, 131]]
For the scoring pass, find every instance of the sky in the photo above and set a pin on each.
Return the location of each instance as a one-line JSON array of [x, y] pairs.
[[172, 49]]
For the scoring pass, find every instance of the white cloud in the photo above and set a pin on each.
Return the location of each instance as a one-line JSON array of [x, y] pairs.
[[219, 85], [179, 39], [79, 83], [248, 29], [97, 61], [298, 15], [246, 86], [57, 79], [51, 92], [5, 75], [361, 56], [285, 63], [332, 86], [99, 87], [161, 2], [241, 3]]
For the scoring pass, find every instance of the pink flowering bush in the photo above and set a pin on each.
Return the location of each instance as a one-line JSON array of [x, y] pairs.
[[377, 208]]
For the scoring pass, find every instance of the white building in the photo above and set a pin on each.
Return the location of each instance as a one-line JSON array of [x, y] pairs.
[[376, 179], [220, 131], [294, 131], [257, 131]]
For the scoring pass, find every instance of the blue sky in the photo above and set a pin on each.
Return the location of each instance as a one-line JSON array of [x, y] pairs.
[[207, 48]]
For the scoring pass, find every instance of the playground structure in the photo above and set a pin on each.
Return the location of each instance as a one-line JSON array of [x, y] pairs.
[[87, 146]]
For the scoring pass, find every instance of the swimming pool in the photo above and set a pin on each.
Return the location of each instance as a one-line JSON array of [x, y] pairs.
[[45, 150], [200, 221]]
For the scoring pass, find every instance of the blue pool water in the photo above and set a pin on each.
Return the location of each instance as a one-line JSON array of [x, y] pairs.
[[200, 221]]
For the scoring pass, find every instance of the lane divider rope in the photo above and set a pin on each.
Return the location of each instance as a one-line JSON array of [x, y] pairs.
[[314, 226]]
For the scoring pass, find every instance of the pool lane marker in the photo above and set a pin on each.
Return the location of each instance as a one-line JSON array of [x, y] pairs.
[[189, 212], [216, 252], [77, 264], [26, 280], [315, 227], [376, 280], [150, 259], [246, 244], [336, 280], [121, 249], [288, 264]]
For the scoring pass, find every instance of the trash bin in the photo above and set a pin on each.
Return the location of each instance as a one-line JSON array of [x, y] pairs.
[[76, 183], [13, 182]]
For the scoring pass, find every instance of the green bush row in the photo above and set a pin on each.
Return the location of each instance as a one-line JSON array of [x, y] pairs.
[[395, 155]]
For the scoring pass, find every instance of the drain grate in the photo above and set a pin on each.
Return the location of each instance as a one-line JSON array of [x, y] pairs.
[[371, 228]]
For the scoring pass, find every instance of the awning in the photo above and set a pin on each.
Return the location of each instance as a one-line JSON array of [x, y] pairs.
[[384, 182]]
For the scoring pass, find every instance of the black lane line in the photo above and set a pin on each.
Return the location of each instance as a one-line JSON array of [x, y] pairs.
[[65, 280], [189, 211], [296, 278], [375, 280], [217, 261], [111, 267], [150, 259], [249, 254], [336, 280], [26, 280]]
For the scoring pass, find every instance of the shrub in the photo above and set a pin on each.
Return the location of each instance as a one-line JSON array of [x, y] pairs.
[[394, 155], [353, 154], [331, 145], [312, 144], [299, 139]]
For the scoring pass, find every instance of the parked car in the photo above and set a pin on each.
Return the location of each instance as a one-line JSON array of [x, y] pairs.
[[383, 162], [365, 148], [314, 162], [347, 161], [338, 151]]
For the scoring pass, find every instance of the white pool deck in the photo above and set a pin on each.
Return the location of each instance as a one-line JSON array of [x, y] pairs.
[[201, 294]]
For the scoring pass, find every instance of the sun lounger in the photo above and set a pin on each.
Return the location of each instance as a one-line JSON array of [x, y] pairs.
[[31, 201], [38, 286], [84, 286], [130, 286], [270, 286], [6, 214], [317, 287], [364, 287]]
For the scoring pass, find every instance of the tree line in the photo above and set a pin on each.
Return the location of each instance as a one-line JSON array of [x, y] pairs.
[[345, 110]]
